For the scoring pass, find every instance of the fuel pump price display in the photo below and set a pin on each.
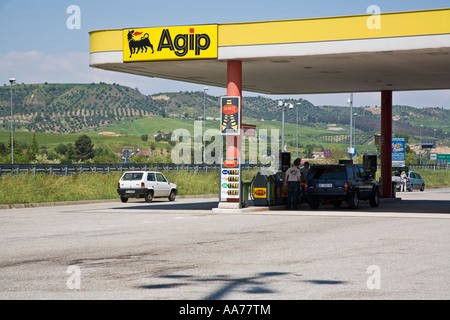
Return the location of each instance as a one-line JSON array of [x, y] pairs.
[[230, 179]]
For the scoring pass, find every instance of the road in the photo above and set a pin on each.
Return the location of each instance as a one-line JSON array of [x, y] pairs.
[[180, 250]]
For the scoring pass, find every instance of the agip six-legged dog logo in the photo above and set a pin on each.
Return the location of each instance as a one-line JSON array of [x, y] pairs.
[[138, 45]]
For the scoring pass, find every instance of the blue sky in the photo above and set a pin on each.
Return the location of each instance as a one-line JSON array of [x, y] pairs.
[[37, 46]]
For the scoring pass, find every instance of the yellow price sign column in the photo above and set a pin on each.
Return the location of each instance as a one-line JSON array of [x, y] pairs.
[[230, 121]]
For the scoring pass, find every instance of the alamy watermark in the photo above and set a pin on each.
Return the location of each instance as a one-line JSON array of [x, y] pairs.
[[374, 280], [374, 21], [260, 146], [74, 280], [73, 22]]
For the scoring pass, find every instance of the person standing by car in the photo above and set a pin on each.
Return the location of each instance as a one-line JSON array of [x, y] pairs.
[[403, 177], [304, 171], [292, 181], [304, 174]]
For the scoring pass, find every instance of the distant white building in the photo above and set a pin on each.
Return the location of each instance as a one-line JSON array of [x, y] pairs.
[[317, 155], [161, 134], [333, 127]]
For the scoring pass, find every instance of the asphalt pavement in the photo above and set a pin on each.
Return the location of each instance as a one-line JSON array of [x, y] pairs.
[[181, 250]]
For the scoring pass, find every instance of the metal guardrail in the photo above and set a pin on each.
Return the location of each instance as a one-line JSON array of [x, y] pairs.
[[69, 169], [428, 166]]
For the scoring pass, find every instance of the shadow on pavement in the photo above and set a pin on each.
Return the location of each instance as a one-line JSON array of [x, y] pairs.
[[397, 206], [166, 205], [256, 284], [416, 206]]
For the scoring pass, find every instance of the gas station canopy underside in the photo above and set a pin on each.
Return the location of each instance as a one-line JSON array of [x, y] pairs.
[[392, 51]]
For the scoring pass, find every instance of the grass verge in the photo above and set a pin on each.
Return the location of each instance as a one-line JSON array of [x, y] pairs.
[[29, 188], [435, 178]]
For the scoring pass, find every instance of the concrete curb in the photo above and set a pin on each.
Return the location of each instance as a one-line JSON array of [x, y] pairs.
[[241, 210], [52, 204], [272, 208]]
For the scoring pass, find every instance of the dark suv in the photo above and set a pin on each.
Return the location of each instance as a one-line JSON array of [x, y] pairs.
[[341, 182]]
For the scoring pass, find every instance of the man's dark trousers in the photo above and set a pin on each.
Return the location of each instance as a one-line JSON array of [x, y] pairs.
[[293, 190]]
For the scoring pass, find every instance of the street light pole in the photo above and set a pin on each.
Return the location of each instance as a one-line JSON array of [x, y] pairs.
[[420, 152], [435, 147], [283, 105], [204, 123], [12, 81], [350, 101], [298, 106]]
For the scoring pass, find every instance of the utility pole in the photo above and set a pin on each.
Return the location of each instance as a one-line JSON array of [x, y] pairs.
[[12, 81], [283, 105], [298, 106], [204, 124], [350, 151]]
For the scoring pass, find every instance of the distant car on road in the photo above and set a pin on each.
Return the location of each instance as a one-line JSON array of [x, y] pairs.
[[414, 181], [145, 184]]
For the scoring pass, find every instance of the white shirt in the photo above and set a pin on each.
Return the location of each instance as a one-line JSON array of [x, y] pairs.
[[293, 173]]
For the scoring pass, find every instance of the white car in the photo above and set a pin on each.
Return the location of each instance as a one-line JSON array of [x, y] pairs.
[[145, 184]]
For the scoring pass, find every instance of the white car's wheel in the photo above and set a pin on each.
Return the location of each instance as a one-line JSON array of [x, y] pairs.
[[149, 196]]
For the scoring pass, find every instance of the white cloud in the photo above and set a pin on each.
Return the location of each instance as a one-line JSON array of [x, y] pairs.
[[73, 67], [39, 67]]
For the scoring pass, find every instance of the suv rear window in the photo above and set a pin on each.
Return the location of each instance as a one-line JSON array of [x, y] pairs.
[[327, 173], [132, 176], [350, 173]]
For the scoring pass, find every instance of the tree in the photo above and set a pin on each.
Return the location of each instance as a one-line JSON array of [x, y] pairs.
[[33, 149], [139, 159], [3, 149], [69, 154], [84, 149], [338, 154], [308, 151], [61, 149], [18, 152]]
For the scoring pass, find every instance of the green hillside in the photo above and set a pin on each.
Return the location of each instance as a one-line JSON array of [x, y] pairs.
[[115, 116], [67, 108]]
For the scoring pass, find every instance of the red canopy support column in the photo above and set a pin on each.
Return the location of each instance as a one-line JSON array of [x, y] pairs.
[[234, 89], [386, 143], [233, 143]]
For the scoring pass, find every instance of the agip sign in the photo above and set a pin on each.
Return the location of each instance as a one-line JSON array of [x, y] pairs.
[[170, 43]]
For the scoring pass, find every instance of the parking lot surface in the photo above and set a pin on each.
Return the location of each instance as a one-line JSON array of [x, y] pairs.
[[181, 250]]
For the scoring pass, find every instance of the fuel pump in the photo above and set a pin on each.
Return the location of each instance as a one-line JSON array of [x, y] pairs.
[[370, 165], [262, 189], [267, 189]]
